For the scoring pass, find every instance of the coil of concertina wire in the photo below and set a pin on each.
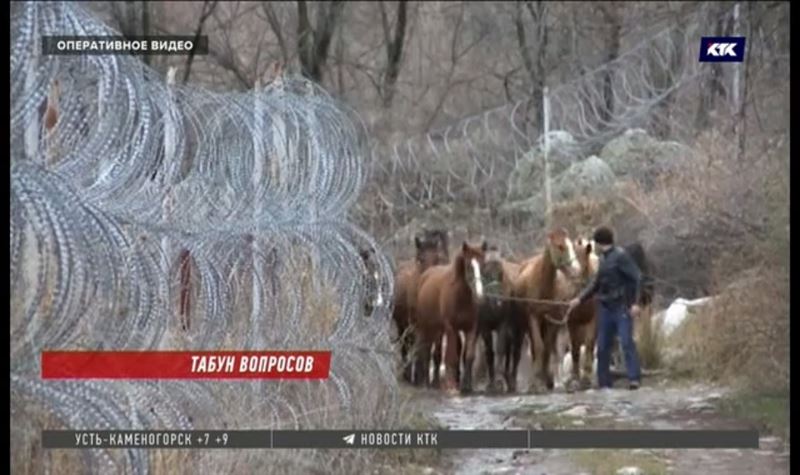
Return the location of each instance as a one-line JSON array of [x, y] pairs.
[[144, 189]]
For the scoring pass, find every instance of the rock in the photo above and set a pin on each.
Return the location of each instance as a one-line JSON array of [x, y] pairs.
[[529, 173], [587, 178], [637, 155], [577, 411], [701, 406], [630, 470]]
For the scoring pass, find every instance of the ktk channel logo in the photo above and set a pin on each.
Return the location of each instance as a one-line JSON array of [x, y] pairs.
[[722, 49]]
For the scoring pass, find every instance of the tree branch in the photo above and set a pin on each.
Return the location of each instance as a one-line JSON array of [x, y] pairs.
[[275, 24], [208, 9]]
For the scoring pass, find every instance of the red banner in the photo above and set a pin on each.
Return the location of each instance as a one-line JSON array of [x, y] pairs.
[[186, 364]]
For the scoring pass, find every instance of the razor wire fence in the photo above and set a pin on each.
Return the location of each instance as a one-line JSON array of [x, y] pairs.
[[485, 174], [151, 215]]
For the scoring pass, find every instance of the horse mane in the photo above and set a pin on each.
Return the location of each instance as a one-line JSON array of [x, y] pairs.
[[459, 264]]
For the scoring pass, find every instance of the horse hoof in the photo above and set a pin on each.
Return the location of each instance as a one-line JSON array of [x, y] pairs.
[[536, 389], [571, 386], [493, 387]]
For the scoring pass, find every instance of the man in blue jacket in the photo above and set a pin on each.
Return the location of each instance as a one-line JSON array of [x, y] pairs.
[[616, 288]]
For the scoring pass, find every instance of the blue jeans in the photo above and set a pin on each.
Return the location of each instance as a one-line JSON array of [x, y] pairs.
[[610, 322]]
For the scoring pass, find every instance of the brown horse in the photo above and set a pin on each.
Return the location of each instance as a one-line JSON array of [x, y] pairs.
[[537, 281], [582, 321], [431, 250], [498, 315], [447, 303]]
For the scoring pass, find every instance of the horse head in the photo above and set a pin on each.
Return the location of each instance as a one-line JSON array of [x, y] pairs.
[[431, 248], [587, 258], [472, 259], [493, 276], [562, 252]]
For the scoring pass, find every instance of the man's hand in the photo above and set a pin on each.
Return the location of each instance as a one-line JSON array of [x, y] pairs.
[[635, 310], [572, 304]]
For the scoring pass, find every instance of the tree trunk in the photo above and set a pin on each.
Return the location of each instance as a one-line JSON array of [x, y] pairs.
[[208, 8], [313, 43], [742, 121], [145, 28], [534, 66], [394, 50], [711, 85], [662, 121], [612, 14]]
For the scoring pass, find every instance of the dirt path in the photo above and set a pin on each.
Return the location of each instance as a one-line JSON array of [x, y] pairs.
[[657, 405]]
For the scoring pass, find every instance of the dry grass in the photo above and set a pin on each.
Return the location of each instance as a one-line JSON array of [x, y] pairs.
[[743, 337], [649, 341]]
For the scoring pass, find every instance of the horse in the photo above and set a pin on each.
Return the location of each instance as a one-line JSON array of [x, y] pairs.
[[581, 325], [447, 303], [498, 315], [431, 249], [537, 281]]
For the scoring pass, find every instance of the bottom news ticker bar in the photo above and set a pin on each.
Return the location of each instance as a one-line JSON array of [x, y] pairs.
[[389, 439]]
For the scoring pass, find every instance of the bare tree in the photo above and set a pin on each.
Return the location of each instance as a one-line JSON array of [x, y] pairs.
[[534, 62], [667, 74], [394, 50], [125, 16], [612, 14], [313, 42], [275, 24], [208, 9], [712, 87]]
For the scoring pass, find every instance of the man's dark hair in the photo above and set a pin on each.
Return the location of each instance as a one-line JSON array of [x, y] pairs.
[[603, 235]]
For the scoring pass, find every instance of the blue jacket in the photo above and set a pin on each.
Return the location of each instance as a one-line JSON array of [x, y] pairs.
[[617, 281]]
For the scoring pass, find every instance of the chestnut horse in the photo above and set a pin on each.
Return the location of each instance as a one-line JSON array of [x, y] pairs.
[[431, 250], [537, 281], [498, 315], [582, 321], [447, 303]]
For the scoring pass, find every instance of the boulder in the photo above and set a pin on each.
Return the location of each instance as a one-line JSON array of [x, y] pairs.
[[587, 178], [529, 173], [637, 155]]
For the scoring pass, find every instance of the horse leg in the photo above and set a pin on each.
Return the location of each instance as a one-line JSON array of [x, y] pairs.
[[575, 341], [537, 354], [421, 360], [550, 334], [489, 345], [437, 361], [407, 348], [590, 336], [469, 359], [517, 340], [460, 352], [451, 358]]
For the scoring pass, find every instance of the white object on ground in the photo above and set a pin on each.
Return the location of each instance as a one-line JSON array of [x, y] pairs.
[[676, 313]]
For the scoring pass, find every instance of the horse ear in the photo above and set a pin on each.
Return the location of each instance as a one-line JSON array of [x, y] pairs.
[[464, 246], [417, 242], [589, 247], [485, 246]]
